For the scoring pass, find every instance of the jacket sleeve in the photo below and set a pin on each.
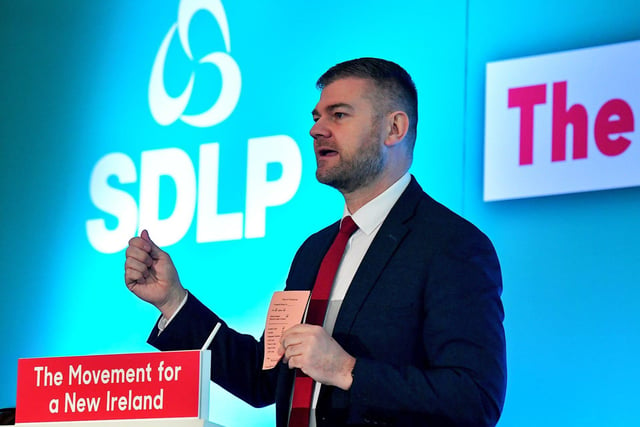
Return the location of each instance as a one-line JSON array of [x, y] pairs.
[[236, 359]]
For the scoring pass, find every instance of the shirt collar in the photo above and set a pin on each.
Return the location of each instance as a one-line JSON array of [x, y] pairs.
[[370, 216]]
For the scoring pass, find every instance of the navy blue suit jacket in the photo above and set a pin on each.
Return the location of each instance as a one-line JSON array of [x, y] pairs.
[[422, 316]]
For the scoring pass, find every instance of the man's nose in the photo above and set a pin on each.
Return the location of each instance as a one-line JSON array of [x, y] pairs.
[[319, 129]]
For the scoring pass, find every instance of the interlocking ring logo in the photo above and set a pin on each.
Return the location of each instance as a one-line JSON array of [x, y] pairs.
[[166, 109]]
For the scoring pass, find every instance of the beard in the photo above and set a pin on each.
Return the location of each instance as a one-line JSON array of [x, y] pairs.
[[358, 170]]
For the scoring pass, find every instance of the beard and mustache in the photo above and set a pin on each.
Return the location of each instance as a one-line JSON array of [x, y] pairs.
[[357, 170]]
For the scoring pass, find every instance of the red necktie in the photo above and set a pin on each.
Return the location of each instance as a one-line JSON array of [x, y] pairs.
[[303, 386]]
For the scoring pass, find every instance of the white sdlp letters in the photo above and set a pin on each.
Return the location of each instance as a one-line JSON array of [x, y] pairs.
[[194, 197]]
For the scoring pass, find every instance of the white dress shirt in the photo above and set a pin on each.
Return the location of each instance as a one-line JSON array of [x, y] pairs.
[[369, 218]]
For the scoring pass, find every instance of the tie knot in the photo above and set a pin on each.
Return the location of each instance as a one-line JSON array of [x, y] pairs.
[[348, 226]]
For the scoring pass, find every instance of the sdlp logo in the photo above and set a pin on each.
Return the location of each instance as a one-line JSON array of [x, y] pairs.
[[196, 196]]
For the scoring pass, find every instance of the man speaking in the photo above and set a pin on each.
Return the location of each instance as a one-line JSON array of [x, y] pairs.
[[404, 326]]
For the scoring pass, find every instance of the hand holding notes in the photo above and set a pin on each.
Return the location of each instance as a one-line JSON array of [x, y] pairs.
[[311, 349], [303, 346]]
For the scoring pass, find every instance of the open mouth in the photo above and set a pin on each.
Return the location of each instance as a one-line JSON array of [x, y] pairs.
[[327, 152]]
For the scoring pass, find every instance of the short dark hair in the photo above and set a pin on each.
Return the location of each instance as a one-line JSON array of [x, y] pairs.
[[395, 86]]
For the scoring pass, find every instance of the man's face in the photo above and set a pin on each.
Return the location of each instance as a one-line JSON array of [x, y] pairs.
[[347, 135]]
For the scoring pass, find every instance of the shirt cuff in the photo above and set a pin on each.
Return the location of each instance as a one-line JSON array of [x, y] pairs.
[[164, 322]]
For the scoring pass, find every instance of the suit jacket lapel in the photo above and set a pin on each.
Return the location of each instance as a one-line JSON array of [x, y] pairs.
[[391, 233]]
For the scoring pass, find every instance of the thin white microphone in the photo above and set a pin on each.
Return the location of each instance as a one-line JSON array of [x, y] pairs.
[[211, 336]]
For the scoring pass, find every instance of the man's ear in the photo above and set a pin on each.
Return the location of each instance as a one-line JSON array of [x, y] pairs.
[[398, 127]]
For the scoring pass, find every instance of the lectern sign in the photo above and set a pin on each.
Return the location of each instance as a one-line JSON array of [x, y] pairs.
[[113, 387]]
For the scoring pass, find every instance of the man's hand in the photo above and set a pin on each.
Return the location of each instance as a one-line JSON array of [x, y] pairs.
[[310, 348], [150, 274]]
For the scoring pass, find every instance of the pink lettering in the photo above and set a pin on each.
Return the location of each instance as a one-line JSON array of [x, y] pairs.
[[526, 98], [576, 116], [614, 117]]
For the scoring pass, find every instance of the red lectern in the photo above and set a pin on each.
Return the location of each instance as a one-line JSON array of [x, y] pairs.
[[165, 389]]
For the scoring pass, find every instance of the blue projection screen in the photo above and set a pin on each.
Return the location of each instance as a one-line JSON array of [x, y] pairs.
[[191, 119]]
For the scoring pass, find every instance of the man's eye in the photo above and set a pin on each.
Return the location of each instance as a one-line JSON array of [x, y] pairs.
[[338, 115]]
